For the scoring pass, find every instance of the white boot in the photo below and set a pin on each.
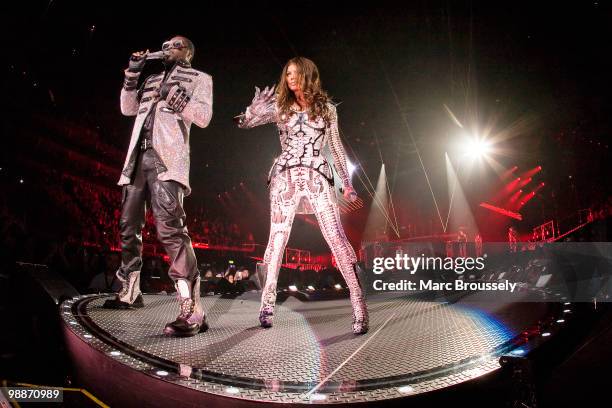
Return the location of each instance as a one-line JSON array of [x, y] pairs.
[[191, 319], [129, 296]]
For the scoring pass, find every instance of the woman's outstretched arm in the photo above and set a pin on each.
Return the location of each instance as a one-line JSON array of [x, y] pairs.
[[261, 111]]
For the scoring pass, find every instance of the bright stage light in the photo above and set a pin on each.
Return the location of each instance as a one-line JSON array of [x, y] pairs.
[[351, 167], [293, 288], [406, 389], [337, 286], [477, 148]]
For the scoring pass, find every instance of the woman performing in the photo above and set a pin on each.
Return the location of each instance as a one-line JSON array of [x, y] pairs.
[[301, 179]]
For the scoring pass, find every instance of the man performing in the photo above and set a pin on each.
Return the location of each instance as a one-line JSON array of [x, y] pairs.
[[156, 172]]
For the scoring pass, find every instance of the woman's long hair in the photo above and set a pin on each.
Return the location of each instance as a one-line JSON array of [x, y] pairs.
[[310, 84]]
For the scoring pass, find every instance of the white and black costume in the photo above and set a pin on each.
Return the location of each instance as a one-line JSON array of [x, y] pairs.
[[301, 181]]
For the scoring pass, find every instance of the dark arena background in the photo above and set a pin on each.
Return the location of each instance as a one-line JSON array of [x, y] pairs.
[[473, 129]]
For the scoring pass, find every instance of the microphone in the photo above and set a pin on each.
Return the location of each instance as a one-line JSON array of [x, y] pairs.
[[155, 55]]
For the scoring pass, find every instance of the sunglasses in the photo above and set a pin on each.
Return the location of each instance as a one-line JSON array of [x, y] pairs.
[[169, 45]]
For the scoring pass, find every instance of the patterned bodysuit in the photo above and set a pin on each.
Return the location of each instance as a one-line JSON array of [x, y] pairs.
[[301, 181]]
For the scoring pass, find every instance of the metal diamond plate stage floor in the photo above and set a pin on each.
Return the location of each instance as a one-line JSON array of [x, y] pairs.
[[310, 354]]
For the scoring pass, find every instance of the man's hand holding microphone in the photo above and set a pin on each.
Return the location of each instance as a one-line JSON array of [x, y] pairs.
[[137, 61]]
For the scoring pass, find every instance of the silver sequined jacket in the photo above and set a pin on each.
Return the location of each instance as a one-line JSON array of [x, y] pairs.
[[190, 101], [303, 142]]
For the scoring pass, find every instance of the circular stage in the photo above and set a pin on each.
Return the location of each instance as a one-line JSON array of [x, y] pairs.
[[310, 355]]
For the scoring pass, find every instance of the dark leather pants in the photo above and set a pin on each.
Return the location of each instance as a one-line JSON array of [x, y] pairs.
[[166, 201]]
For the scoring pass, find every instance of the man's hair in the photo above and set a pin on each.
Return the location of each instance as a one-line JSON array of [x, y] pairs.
[[189, 45]]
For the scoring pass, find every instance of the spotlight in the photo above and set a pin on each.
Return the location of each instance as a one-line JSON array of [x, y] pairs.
[[477, 148], [406, 389], [318, 397], [293, 288], [310, 287], [545, 334], [351, 167], [337, 286], [232, 390], [161, 373]]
